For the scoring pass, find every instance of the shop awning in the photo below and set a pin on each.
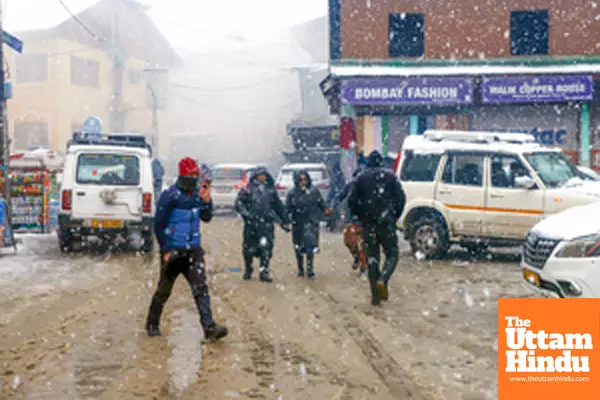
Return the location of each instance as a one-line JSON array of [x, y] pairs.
[[340, 71]]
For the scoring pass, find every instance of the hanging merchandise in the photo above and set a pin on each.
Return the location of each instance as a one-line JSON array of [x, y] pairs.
[[34, 191]]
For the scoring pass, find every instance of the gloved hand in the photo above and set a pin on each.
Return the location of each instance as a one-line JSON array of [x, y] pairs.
[[285, 227]]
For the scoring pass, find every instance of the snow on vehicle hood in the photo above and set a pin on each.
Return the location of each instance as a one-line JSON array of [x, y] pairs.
[[585, 188], [572, 222]]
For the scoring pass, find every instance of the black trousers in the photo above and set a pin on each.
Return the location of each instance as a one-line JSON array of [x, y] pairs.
[[379, 237], [189, 263]]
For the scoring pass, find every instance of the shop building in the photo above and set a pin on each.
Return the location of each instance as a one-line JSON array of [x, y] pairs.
[[399, 68]]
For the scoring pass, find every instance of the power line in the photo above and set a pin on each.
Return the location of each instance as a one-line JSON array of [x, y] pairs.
[[255, 84], [80, 22]]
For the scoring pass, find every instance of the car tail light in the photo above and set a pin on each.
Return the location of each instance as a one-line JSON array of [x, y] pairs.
[[397, 164], [244, 182], [67, 197], [147, 203], [323, 186], [279, 186]]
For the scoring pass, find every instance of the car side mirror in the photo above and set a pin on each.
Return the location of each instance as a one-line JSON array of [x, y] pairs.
[[525, 182]]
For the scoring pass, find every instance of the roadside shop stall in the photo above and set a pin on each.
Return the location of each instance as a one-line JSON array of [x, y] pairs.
[[34, 186]]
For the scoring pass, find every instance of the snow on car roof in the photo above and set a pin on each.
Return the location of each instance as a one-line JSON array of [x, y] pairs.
[[108, 149], [235, 166], [303, 166], [419, 143]]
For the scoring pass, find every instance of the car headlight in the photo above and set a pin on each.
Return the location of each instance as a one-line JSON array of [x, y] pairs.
[[581, 247]]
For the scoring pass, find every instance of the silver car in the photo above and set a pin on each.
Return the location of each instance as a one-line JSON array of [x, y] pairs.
[[227, 180], [319, 175]]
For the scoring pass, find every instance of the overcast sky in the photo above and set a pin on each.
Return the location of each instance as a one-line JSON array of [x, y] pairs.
[[184, 21]]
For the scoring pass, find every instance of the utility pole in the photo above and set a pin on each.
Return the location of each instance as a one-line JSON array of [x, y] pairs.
[[4, 141], [116, 57], [152, 83]]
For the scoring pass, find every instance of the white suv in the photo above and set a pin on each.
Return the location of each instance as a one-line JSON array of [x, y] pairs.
[[482, 189], [319, 175], [107, 191]]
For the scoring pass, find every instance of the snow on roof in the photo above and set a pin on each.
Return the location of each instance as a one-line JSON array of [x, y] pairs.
[[298, 166], [74, 148], [456, 70], [422, 144]]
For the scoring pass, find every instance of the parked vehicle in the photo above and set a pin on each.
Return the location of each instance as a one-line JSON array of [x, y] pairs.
[[561, 254], [107, 191], [227, 180], [481, 189], [319, 174]]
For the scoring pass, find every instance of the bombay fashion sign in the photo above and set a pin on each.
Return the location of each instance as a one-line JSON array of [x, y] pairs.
[[551, 88], [409, 91]]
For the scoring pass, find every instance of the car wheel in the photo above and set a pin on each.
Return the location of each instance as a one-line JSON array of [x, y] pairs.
[[65, 243], [148, 244], [429, 237]]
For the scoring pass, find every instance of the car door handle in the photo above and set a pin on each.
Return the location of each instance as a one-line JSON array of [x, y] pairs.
[[80, 193], [445, 191], [496, 196]]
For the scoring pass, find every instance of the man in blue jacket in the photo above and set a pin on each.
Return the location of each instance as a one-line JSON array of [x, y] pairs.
[[177, 226]]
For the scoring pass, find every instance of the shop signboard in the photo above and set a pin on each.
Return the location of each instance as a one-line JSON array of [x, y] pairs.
[[536, 89], [5, 229], [407, 91]]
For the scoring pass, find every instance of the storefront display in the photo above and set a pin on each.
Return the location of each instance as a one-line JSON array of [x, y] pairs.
[[34, 191]]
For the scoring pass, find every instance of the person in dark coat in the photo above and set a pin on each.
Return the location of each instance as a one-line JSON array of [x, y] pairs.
[[377, 199], [158, 173], [305, 207], [337, 186], [177, 226], [260, 207]]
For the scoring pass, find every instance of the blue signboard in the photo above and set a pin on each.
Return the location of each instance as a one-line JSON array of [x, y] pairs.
[[407, 91], [535, 89], [13, 42], [92, 127], [5, 229]]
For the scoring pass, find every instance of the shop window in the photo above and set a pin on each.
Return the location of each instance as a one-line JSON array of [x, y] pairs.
[[85, 72], [419, 167], [463, 169], [529, 32], [32, 68], [31, 135], [505, 169], [406, 35]]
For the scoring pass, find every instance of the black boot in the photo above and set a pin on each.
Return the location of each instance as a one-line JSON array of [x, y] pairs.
[[215, 332], [247, 267], [310, 261], [300, 259], [153, 321], [264, 269]]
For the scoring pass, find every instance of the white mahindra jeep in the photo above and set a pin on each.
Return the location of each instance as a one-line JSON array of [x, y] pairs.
[[107, 191], [481, 189]]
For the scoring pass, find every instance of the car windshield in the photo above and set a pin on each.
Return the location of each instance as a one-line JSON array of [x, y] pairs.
[[554, 168], [287, 175], [108, 169]]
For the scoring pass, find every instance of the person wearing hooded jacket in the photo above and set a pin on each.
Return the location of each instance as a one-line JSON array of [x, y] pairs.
[[177, 226], [260, 207], [305, 207], [377, 199]]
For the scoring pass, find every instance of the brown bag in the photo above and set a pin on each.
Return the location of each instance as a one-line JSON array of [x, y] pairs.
[[353, 239]]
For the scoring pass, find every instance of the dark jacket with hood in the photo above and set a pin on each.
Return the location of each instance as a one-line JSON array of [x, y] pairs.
[[305, 209], [377, 196], [260, 207]]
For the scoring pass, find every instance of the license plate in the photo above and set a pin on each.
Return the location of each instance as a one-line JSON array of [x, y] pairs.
[[107, 223], [531, 277]]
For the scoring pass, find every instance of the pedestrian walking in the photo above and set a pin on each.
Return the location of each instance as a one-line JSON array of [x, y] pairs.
[[337, 186], [377, 199], [260, 207], [158, 173], [306, 208], [353, 236], [177, 226]]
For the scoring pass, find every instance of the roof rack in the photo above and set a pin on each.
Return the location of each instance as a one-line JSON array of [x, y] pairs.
[[110, 139], [479, 137]]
